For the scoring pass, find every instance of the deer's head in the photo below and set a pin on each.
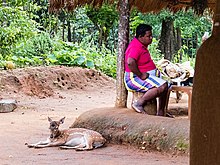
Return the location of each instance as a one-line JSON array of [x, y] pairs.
[[54, 127]]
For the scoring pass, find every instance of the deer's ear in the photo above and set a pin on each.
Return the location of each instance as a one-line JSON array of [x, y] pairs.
[[49, 119], [62, 120]]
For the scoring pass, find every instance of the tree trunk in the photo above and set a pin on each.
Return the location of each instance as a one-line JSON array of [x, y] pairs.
[[63, 31], [69, 31], [73, 34], [194, 44], [179, 43], [100, 35], [205, 123], [114, 38], [167, 40], [123, 39]]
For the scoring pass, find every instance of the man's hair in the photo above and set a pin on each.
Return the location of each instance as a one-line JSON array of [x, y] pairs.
[[141, 30]]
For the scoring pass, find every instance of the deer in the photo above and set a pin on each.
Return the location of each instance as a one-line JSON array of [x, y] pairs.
[[72, 138]]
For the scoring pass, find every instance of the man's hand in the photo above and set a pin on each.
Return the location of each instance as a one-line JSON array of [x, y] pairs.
[[134, 68], [144, 76]]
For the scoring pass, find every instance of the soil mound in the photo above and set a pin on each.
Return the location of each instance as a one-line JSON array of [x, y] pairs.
[[45, 81], [146, 132]]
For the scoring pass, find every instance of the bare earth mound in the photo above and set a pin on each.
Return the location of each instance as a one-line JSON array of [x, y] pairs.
[[45, 81], [147, 132]]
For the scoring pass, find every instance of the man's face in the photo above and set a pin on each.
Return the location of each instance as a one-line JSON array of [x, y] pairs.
[[147, 38]]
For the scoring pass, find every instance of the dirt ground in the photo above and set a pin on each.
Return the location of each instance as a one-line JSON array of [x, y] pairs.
[[58, 92]]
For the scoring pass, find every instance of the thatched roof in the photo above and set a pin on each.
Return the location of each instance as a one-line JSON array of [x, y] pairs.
[[142, 5]]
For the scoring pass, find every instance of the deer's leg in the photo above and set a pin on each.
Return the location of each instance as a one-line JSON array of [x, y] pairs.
[[47, 143], [78, 147], [98, 144], [39, 143], [88, 143], [51, 144], [80, 143], [75, 143]]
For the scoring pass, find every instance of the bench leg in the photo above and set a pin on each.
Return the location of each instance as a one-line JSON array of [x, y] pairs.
[[187, 91], [189, 103]]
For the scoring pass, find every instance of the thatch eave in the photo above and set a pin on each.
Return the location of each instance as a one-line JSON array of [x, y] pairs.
[[143, 6]]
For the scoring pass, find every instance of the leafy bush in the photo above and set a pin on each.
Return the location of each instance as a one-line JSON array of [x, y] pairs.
[[33, 51], [15, 26], [84, 55], [154, 51]]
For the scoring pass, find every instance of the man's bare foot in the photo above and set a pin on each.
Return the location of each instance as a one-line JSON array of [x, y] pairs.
[[166, 115], [138, 108]]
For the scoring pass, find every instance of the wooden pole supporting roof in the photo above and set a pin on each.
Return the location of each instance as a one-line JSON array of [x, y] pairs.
[[205, 118]]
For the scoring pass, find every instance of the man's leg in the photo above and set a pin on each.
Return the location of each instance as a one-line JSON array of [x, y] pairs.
[[162, 100], [152, 93], [148, 96]]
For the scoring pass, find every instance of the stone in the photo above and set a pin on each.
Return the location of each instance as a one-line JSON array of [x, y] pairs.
[[7, 105]]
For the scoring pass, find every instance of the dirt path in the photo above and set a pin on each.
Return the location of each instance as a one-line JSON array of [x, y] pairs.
[[28, 123]]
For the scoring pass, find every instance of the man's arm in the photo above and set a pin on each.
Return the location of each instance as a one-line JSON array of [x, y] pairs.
[[132, 64]]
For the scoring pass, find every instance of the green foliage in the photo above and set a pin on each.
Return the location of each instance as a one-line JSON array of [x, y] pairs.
[[84, 55], [33, 51], [190, 24], [17, 3], [182, 145], [135, 20], [154, 51], [82, 26], [104, 19], [15, 26], [185, 57], [149, 18]]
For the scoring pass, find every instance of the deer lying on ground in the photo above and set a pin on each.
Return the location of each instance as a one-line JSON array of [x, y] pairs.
[[73, 138]]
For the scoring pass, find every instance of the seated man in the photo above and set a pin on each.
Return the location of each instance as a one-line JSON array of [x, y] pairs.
[[141, 74]]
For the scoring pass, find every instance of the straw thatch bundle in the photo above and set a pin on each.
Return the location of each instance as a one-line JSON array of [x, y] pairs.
[[142, 5]]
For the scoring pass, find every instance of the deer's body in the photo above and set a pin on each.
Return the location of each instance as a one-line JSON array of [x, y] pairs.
[[74, 138]]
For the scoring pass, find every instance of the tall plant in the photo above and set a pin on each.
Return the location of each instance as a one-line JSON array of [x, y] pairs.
[[15, 26], [104, 19]]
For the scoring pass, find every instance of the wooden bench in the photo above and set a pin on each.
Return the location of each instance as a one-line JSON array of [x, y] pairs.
[[177, 89]]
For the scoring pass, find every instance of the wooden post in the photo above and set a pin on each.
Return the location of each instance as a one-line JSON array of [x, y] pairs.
[[123, 39], [205, 115]]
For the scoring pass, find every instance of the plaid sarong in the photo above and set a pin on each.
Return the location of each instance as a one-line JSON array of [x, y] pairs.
[[134, 83]]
